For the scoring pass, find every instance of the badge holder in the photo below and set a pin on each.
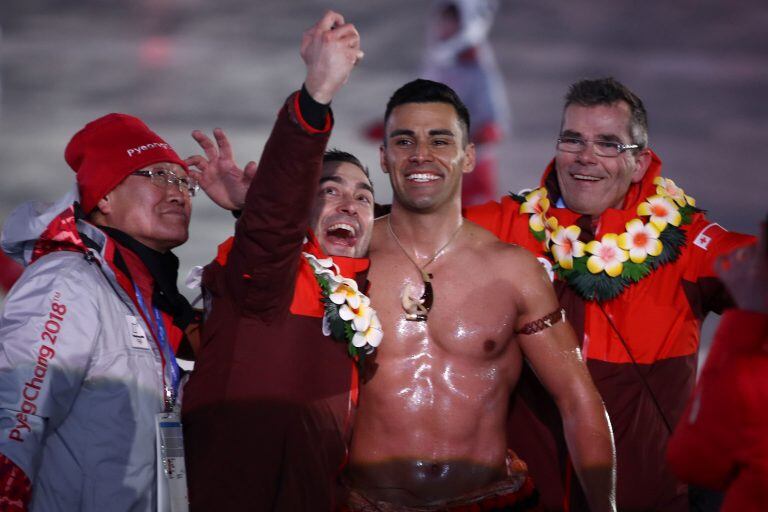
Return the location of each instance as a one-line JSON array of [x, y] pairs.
[[171, 471]]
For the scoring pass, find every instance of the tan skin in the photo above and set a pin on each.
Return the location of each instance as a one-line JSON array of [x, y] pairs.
[[430, 426], [342, 216], [158, 217], [591, 184]]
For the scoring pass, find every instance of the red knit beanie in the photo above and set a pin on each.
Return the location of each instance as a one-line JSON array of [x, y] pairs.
[[110, 148]]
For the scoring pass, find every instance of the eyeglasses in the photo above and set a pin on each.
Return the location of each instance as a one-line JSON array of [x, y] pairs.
[[607, 148], [163, 177]]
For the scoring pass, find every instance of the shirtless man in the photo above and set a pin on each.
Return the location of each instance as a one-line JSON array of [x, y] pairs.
[[453, 300]]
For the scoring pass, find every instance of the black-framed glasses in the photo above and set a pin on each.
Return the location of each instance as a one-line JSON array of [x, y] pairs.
[[607, 148], [160, 177]]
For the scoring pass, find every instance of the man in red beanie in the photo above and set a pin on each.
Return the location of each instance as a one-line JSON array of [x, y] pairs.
[[88, 333]]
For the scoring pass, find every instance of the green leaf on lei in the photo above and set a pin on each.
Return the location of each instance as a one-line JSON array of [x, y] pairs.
[[591, 286], [687, 212], [337, 325], [634, 271], [673, 240], [600, 287], [324, 286]]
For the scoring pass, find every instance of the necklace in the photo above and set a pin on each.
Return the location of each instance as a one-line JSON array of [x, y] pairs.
[[416, 309], [602, 269]]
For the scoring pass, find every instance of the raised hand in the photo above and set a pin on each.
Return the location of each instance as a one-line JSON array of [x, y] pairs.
[[330, 49], [220, 177]]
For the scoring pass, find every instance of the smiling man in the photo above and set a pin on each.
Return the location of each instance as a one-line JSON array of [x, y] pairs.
[[461, 311], [633, 257], [268, 408], [335, 220], [88, 334]]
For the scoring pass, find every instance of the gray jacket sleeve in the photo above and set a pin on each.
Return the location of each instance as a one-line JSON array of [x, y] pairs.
[[47, 332]]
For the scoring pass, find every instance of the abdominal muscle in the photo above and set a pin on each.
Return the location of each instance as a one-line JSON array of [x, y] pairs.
[[431, 422]]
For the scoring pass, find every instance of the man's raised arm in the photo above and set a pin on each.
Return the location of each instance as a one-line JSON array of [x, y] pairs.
[[277, 205], [553, 353]]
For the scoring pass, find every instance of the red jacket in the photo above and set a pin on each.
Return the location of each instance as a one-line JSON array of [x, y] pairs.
[[267, 407], [659, 318], [722, 439]]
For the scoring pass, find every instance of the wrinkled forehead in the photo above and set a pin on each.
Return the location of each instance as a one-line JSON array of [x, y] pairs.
[[345, 173], [604, 121]]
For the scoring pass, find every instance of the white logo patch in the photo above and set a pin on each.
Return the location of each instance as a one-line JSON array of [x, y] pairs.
[[703, 240], [138, 336]]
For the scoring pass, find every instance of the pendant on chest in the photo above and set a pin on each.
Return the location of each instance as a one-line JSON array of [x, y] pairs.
[[416, 308]]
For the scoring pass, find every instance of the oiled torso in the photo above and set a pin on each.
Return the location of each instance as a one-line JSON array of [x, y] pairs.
[[433, 408]]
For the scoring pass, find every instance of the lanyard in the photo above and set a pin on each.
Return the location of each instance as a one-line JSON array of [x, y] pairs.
[[160, 335]]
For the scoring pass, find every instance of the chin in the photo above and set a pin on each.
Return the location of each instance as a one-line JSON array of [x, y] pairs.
[[174, 241], [344, 252]]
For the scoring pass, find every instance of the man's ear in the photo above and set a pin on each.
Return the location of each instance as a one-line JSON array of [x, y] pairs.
[[383, 158], [642, 162], [104, 206], [469, 158]]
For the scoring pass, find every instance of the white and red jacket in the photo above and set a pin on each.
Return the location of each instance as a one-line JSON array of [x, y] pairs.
[[79, 386]]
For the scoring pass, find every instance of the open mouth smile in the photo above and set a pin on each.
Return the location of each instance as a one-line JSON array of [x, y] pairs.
[[422, 177], [584, 177], [341, 233]]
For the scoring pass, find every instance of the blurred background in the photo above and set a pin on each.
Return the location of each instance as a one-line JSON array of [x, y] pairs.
[[701, 68]]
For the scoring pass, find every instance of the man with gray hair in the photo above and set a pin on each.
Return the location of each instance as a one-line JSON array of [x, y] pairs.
[[632, 256]]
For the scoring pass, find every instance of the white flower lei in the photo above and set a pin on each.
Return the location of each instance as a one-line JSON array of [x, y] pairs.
[[348, 316]]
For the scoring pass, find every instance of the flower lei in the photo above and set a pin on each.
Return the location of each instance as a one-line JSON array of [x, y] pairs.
[[348, 316], [601, 270]]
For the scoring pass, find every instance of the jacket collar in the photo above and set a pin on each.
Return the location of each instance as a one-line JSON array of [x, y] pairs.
[[349, 267], [164, 269]]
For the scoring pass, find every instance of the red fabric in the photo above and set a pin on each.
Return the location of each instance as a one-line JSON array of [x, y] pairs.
[[60, 235], [675, 329], [9, 272], [479, 185], [15, 487], [108, 149], [659, 318], [721, 441], [305, 125], [488, 133], [307, 296], [269, 390]]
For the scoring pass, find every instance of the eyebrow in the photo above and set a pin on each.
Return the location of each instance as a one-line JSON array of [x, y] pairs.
[[340, 180], [609, 137], [432, 133]]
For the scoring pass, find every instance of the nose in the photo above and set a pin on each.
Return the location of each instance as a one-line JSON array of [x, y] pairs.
[[348, 205], [587, 154], [174, 195], [420, 152]]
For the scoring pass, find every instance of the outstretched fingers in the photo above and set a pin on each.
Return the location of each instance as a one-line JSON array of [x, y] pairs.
[[225, 148], [206, 144]]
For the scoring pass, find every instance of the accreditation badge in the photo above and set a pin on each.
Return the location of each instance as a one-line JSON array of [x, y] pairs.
[[171, 471]]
